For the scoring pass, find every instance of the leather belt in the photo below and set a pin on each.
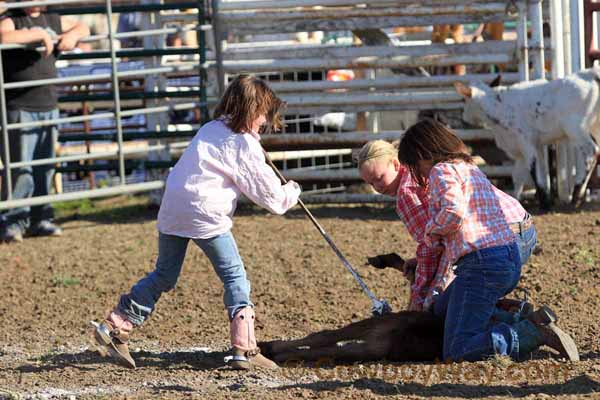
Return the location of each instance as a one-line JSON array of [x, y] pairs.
[[520, 227]]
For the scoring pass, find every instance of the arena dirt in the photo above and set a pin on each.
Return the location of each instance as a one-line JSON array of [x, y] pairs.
[[52, 287]]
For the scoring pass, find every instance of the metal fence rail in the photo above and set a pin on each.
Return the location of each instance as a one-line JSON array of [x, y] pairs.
[[284, 66], [114, 76]]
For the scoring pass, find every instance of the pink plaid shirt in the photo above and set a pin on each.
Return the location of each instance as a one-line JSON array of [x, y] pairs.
[[433, 272], [469, 213]]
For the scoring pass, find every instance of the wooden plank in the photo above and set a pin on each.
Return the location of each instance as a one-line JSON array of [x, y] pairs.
[[394, 82], [281, 25], [320, 64], [290, 52], [295, 141], [270, 4]]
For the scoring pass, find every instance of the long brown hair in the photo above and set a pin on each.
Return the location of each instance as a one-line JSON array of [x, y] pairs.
[[244, 100], [429, 139]]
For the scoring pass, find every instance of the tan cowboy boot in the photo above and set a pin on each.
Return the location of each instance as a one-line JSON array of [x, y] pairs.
[[246, 353], [557, 339], [112, 336]]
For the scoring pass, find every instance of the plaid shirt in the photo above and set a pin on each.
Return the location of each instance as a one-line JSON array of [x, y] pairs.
[[411, 207], [469, 213]]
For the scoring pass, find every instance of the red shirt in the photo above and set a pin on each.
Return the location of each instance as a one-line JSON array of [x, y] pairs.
[[411, 207]]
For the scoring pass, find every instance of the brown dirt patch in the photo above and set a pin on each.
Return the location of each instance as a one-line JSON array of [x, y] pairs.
[[52, 287]]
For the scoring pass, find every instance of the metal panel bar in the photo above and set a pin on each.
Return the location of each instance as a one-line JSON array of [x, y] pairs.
[[202, 74], [5, 137], [292, 141], [100, 154], [536, 46], [280, 4], [218, 38], [395, 82], [274, 65], [86, 194], [127, 113], [506, 47], [136, 7], [360, 22], [116, 93], [522, 42], [255, 17]]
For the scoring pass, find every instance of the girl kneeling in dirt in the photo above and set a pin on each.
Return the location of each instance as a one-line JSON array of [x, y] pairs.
[[379, 166], [224, 160], [468, 225]]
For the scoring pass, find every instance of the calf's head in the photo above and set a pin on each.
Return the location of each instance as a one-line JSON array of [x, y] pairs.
[[479, 99]]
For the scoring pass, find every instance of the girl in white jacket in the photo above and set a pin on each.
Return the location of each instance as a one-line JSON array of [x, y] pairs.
[[223, 161]]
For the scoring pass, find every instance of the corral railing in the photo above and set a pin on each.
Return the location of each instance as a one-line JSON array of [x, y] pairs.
[[98, 97], [138, 98]]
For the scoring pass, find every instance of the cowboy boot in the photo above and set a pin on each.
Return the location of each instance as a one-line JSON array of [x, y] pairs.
[[246, 353], [112, 335], [515, 306], [525, 310], [542, 316], [534, 334]]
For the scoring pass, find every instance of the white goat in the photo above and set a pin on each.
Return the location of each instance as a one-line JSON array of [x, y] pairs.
[[528, 115]]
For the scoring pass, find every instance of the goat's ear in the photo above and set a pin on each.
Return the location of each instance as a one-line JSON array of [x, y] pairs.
[[463, 89], [496, 81]]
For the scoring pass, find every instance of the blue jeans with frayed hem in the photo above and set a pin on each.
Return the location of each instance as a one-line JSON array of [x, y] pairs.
[[222, 251], [482, 278]]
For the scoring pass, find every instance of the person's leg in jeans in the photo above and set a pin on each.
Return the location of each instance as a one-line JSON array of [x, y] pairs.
[[22, 144], [41, 216], [482, 277], [112, 335], [225, 257], [526, 242], [223, 253], [138, 304]]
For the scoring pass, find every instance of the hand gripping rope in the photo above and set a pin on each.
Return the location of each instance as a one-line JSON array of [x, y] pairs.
[[380, 306]]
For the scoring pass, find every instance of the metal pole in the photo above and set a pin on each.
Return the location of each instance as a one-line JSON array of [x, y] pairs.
[[202, 74], [537, 40], [7, 167], [117, 98], [523, 53], [217, 33], [577, 35], [379, 307], [560, 32]]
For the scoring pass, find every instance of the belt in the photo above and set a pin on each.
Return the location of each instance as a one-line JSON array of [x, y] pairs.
[[520, 227]]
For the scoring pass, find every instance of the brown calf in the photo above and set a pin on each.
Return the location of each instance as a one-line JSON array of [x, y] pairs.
[[402, 336]]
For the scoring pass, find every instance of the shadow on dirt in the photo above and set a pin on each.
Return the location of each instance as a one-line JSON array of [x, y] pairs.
[[89, 361], [577, 386]]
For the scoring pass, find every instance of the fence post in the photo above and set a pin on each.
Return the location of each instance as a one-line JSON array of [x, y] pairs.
[[202, 74], [116, 93], [218, 38], [522, 42], [5, 137]]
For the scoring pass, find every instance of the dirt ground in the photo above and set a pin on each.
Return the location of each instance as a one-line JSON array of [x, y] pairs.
[[52, 287]]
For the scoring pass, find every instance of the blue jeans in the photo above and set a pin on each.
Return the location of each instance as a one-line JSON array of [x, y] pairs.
[[30, 144], [482, 278], [222, 252], [526, 242]]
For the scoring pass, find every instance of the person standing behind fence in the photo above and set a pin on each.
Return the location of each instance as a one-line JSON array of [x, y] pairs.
[[35, 26], [224, 160]]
